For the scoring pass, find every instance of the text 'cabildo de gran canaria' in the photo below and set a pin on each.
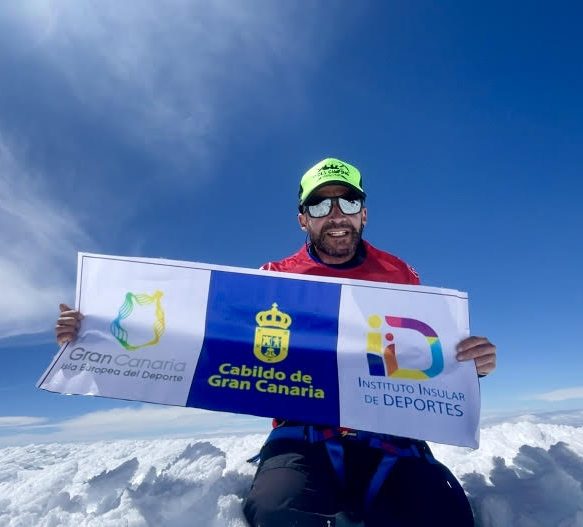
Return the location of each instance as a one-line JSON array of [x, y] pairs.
[[271, 346], [265, 380]]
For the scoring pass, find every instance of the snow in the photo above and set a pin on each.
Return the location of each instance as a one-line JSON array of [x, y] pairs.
[[525, 474]]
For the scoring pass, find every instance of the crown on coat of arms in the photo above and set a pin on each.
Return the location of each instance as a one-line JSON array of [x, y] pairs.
[[273, 318]]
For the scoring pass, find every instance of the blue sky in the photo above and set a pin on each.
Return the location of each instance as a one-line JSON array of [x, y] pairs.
[[182, 130]]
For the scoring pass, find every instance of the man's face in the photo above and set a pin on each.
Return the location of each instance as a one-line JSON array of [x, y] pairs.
[[335, 237]]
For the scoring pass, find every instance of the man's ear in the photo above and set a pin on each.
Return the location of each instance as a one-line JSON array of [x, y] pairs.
[[364, 216], [302, 222]]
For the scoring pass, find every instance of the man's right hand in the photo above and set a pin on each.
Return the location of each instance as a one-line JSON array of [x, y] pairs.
[[68, 324]]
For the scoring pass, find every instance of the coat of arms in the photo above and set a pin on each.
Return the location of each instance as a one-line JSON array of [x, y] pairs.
[[272, 335]]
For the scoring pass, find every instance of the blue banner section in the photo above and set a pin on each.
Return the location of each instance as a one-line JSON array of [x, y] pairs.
[[269, 349]]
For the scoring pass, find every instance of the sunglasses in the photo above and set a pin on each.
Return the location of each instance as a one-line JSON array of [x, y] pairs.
[[323, 207]]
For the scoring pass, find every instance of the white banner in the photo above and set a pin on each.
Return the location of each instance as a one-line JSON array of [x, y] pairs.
[[364, 355]]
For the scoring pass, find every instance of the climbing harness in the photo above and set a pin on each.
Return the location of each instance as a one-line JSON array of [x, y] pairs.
[[332, 440]]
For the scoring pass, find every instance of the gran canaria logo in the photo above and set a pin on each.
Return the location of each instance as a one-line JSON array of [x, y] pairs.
[[132, 300], [383, 361], [272, 335]]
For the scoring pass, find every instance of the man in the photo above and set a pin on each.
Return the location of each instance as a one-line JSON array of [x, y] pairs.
[[306, 482], [319, 476]]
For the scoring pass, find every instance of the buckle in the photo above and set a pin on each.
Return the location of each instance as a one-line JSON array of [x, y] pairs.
[[347, 432]]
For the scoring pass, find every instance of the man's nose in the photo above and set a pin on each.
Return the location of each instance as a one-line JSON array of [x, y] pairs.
[[336, 212]]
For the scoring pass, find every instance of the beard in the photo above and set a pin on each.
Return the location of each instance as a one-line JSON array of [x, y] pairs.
[[337, 247]]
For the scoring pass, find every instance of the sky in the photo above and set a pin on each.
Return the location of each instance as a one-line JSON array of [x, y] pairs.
[[182, 131], [528, 474]]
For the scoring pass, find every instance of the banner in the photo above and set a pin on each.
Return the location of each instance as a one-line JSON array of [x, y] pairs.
[[364, 355]]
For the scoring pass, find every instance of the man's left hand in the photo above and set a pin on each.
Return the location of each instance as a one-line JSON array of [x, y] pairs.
[[481, 350]]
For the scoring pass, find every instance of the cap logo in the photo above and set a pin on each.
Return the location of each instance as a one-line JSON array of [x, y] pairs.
[[336, 170]]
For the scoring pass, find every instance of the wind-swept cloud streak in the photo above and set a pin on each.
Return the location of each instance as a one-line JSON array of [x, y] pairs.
[[126, 97], [20, 421], [128, 422], [168, 76], [38, 236], [564, 394]]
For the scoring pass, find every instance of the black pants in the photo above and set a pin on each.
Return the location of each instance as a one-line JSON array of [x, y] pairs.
[[296, 485]]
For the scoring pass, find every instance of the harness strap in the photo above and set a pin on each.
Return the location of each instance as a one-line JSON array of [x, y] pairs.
[[336, 455], [376, 482]]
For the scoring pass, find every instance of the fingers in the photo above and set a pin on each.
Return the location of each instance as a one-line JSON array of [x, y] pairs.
[[68, 324], [485, 364], [66, 334], [481, 350], [474, 347], [471, 342]]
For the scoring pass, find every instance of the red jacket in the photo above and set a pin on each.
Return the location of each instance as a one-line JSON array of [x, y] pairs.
[[377, 266]]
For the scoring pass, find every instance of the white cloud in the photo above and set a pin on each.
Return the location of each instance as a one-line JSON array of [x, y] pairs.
[[129, 422], [39, 239], [169, 74], [20, 420], [524, 474], [563, 394], [167, 79], [146, 420]]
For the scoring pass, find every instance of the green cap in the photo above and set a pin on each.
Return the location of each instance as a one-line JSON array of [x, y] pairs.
[[328, 172]]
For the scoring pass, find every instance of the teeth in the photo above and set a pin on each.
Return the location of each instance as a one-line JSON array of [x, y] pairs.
[[337, 233]]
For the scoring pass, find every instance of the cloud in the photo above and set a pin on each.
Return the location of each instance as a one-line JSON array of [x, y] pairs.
[[563, 394], [523, 475], [168, 76], [19, 421], [568, 417], [129, 422], [38, 238], [540, 487], [118, 85]]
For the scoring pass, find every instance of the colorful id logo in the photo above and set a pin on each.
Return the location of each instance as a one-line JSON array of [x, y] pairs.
[[271, 335], [129, 310], [383, 361]]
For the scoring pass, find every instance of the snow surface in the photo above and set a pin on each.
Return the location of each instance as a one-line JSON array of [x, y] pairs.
[[525, 474]]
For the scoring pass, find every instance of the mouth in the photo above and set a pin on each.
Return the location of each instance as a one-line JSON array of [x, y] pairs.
[[337, 233]]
